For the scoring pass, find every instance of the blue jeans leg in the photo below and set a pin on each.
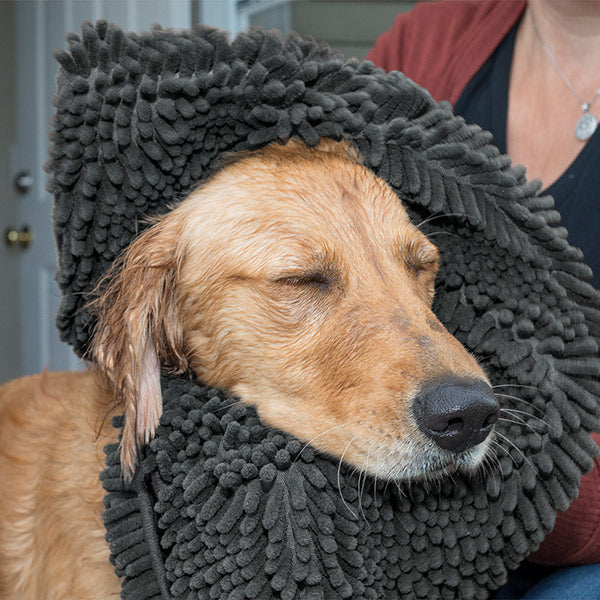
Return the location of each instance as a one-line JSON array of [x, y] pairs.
[[573, 583]]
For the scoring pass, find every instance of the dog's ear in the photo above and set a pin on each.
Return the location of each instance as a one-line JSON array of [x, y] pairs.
[[139, 330]]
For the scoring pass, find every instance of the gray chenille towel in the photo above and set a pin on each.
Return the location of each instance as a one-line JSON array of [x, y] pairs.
[[223, 507]]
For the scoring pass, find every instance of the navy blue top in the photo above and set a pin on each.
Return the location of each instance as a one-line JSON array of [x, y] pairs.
[[577, 191]]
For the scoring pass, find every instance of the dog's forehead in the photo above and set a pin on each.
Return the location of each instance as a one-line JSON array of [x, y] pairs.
[[330, 190]]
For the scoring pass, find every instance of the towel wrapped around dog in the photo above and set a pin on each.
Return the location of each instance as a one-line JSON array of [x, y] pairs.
[[222, 506]]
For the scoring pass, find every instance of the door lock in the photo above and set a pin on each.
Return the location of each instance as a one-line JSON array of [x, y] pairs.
[[15, 238]]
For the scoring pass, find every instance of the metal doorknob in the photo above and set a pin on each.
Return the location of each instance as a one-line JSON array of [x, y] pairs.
[[14, 238]]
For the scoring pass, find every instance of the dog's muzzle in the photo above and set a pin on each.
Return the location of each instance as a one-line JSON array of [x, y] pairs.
[[457, 414]]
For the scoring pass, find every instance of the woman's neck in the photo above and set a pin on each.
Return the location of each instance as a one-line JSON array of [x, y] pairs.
[[543, 107], [571, 29]]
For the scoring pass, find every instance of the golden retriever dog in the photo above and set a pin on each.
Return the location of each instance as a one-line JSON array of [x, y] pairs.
[[292, 278]]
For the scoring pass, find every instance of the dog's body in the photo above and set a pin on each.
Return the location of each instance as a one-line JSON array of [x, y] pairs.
[[52, 544], [294, 279]]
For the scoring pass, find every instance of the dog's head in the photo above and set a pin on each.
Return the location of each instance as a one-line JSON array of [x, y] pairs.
[[294, 279]]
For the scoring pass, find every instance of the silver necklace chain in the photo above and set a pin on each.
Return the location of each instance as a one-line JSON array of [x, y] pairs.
[[587, 123]]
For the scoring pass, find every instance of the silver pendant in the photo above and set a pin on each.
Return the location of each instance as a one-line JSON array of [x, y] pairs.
[[585, 126]]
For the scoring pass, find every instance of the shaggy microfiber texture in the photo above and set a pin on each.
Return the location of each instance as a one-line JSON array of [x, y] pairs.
[[223, 507]]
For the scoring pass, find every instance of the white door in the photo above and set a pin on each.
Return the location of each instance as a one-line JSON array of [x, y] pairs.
[[40, 28]]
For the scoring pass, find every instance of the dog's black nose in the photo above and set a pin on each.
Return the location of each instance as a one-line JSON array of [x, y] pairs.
[[457, 414]]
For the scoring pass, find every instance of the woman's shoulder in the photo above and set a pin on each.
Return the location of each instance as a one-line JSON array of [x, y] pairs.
[[453, 18], [434, 37]]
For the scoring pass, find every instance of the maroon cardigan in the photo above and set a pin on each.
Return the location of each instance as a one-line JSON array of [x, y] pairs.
[[441, 46]]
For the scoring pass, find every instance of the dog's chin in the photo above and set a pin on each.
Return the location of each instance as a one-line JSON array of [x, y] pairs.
[[446, 464], [430, 463]]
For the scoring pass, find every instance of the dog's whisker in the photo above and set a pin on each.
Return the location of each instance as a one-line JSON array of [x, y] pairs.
[[361, 487], [375, 489], [516, 413], [497, 444], [385, 487], [316, 437], [359, 496], [521, 400], [491, 463], [494, 463], [485, 361], [520, 423], [497, 464], [435, 233], [438, 216], [401, 492], [519, 420], [339, 479], [519, 451], [517, 385], [365, 470], [485, 466], [228, 406], [512, 396]]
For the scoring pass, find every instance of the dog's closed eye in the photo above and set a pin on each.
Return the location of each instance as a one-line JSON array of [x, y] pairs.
[[322, 276], [419, 256], [424, 269], [317, 280], [422, 260]]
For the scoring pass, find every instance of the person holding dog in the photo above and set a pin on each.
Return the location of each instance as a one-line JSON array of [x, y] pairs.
[[529, 72]]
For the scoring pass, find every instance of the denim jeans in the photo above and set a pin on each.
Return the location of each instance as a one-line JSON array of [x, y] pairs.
[[532, 582]]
